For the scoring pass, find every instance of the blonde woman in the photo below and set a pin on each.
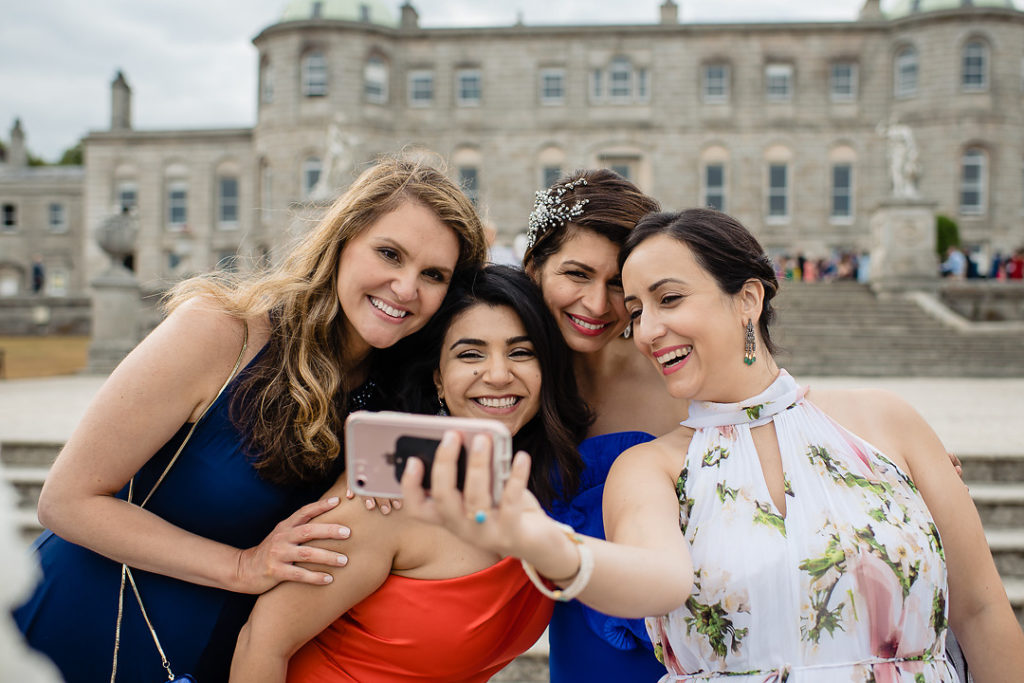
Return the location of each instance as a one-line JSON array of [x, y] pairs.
[[211, 537]]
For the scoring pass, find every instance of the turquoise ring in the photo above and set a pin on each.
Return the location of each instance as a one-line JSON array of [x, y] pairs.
[[480, 517]]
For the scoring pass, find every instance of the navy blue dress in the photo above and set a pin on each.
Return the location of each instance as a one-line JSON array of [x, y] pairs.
[[212, 491], [586, 645]]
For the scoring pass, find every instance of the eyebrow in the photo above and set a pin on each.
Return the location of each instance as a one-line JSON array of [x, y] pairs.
[[405, 252], [655, 286], [467, 341], [580, 265]]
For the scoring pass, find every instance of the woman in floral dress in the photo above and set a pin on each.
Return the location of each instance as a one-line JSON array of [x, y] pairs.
[[778, 534]]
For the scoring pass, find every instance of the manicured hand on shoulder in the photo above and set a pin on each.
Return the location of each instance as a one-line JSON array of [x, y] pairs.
[[274, 560], [385, 505]]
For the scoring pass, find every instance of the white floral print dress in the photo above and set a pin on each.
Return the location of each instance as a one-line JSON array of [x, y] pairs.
[[849, 586]]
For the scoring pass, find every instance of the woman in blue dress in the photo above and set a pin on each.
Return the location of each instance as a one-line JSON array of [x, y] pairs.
[[210, 539], [575, 232]]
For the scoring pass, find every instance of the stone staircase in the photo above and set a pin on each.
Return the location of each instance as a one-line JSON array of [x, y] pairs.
[[842, 328]]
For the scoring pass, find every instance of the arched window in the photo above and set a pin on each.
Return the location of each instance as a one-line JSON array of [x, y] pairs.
[[620, 82], [375, 80], [842, 161], [778, 162], [266, 82], [314, 74], [714, 167], [974, 71], [905, 72], [467, 162], [310, 175], [973, 182]]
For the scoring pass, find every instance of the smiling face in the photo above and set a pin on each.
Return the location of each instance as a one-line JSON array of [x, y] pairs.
[[689, 328], [393, 276], [488, 367], [583, 290]]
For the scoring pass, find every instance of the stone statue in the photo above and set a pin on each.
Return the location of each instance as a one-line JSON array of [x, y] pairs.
[[904, 165], [338, 160]]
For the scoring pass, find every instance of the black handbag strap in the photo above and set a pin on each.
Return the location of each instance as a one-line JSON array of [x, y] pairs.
[[126, 572]]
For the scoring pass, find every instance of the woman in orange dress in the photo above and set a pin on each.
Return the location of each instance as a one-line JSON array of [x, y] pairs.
[[416, 602]]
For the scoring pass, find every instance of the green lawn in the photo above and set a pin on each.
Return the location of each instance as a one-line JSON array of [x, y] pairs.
[[42, 356]]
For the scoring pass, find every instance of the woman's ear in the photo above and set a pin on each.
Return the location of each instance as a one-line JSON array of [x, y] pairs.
[[750, 299], [437, 383], [531, 270]]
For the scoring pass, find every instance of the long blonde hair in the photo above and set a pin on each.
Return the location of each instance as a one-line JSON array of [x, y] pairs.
[[291, 404]]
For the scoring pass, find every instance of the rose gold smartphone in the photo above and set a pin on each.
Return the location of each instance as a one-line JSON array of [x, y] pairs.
[[378, 446]]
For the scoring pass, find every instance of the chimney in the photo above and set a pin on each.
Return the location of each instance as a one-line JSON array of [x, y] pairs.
[[410, 17], [871, 11], [669, 13], [17, 155], [120, 103]]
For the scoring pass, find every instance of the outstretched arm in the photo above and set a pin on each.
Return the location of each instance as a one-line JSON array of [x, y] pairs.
[[646, 572], [166, 381]]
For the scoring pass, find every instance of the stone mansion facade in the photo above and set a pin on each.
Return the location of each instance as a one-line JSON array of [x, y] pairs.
[[780, 124]]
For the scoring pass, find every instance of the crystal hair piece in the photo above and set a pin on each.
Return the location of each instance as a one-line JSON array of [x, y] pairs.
[[550, 212]]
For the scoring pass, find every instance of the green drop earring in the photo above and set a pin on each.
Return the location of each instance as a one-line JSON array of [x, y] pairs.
[[749, 344]]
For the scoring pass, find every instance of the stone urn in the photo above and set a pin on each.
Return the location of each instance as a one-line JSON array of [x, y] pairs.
[[116, 236]]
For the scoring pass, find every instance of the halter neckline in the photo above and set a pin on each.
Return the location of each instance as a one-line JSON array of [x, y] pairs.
[[757, 410]]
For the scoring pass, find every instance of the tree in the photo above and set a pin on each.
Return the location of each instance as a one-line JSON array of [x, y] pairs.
[[947, 234], [72, 156]]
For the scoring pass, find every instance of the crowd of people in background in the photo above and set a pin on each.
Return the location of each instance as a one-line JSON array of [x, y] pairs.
[[958, 263]]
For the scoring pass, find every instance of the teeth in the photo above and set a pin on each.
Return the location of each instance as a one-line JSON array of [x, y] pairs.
[[586, 325], [503, 402], [681, 352], [393, 312]]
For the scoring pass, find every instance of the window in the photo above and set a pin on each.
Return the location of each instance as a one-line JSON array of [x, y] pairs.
[[266, 83], [57, 218], [906, 72], [842, 191], [550, 176], [621, 83], [714, 186], [972, 183], [421, 88], [843, 82], [620, 79], [469, 181], [314, 74], [468, 87], [715, 86], [227, 202], [375, 80], [9, 217], [310, 175], [177, 205], [778, 79], [975, 66], [126, 196], [57, 277], [625, 166], [778, 191], [552, 86], [267, 190]]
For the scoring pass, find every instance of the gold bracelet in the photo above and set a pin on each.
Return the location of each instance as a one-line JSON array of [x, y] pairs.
[[579, 580]]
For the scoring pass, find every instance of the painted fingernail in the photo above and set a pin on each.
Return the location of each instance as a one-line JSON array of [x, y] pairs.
[[369, 504], [385, 509], [479, 442], [328, 578], [342, 560], [333, 500], [448, 439], [344, 531], [397, 504]]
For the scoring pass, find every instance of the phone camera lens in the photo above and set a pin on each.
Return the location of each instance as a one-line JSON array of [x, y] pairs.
[[360, 482]]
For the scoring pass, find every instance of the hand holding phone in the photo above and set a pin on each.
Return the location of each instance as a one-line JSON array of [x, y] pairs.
[[379, 445]]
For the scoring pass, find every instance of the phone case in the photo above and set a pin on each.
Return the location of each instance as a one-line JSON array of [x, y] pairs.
[[377, 446]]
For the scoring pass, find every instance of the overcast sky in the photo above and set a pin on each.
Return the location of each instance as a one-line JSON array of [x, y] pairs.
[[191, 63]]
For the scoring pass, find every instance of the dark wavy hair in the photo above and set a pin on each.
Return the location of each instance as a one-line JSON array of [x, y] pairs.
[[613, 206], [550, 437], [722, 246]]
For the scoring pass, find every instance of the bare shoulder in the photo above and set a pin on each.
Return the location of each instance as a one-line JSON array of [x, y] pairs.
[[371, 530], [665, 454]]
